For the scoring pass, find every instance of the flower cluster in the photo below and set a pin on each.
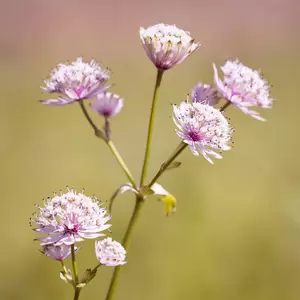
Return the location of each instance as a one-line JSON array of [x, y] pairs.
[[68, 218], [243, 87], [71, 217], [76, 81], [58, 252], [167, 45], [110, 253], [202, 126], [205, 94]]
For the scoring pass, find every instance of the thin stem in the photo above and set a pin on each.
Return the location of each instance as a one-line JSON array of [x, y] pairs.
[[225, 106], [86, 114], [121, 162], [165, 166], [139, 200], [75, 273], [151, 125], [96, 268], [63, 265], [132, 223], [110, 144], [77, 293]]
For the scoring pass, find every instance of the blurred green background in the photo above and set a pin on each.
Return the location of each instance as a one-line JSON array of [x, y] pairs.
[[236, 233]]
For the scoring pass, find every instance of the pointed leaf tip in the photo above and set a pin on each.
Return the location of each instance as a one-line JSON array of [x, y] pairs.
[[173, 165]]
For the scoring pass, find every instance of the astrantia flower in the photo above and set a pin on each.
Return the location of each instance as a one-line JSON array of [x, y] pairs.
[[76, 81], [107, 104], [110, 253], [60, 252], [243, 87], [167, 45], [69, 218], [202, 126], [205, 94]]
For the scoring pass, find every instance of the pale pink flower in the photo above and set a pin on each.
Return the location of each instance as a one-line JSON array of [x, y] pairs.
[[205, 94], [75, 81], [107, 104], [167, 45], [243, 88], [69, 218], [202, 127], [60, 252], [110, 253]]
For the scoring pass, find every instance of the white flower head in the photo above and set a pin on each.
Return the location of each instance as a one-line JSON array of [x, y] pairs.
[[59, 252], [107, 104], [110, 253], [76, 81], [167, 45], [202, 126], [69, 218], [205, 94], [243, 87]]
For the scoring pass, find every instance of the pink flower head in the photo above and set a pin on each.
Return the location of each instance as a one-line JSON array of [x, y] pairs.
[[243, 88], [167, 45], [202, 126], [60, 252], [75, 81], [69, 218], [110, 253], [107, 104], [205, 94]]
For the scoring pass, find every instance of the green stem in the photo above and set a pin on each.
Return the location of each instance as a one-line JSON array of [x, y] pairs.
[[165, 165], [89, 119], [121, 162], [139, 200], [109, 143], [75, 273], [96, 268], [151, 125], [132, 223], [225, 106], [77, 293]]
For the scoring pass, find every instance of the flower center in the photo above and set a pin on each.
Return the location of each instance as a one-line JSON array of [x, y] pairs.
[[72, 230], [79, 91], [195, 136]]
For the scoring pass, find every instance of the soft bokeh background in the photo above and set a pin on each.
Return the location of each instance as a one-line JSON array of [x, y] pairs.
[[236, 233]]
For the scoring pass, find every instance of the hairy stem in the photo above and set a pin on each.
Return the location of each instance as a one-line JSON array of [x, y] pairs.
[[151, 126]]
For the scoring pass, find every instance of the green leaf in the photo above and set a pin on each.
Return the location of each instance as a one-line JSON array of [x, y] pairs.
[[146, 191], [87, 276], [173, 165]]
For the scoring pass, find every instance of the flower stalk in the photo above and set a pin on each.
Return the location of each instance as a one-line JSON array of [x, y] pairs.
[[125, 242], [165, 165], [223, 108], [151, 126], [139, 199], [109, 143], [75, 273], [121, 162]]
